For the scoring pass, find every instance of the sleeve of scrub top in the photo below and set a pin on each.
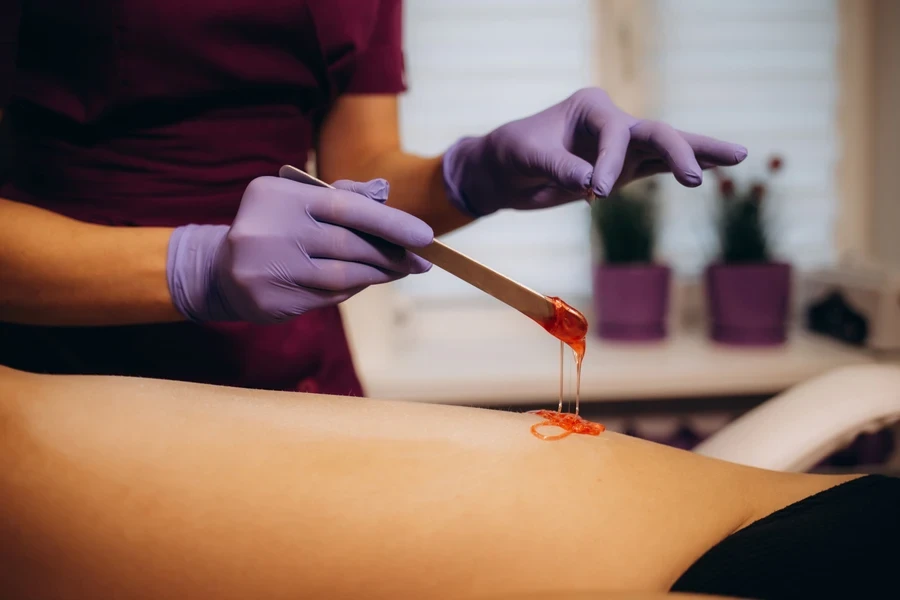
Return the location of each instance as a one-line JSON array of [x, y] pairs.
[[10, 13], [379, 67]]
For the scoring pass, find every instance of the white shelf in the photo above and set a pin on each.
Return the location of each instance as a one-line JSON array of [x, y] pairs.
[[507, 361]]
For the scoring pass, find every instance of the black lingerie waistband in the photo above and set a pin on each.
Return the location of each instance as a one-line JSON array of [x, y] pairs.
[[843, 542]]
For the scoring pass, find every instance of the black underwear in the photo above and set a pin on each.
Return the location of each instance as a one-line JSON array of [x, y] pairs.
[[842, 543]]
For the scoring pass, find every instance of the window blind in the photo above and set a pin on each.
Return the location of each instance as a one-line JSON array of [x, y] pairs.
[[473, 65], [763, 73], [760, 72]]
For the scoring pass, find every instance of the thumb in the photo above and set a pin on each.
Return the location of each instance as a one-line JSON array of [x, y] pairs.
[[569, 171], [376, 189]]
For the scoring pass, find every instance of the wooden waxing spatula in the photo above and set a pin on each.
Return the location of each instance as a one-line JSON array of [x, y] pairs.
[[506, 290]]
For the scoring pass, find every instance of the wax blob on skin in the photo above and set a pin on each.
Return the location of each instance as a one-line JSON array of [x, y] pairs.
[[568, 422]]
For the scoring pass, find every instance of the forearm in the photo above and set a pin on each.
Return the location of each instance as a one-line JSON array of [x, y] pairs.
[[417, 185], [58, 271], [360, 140]]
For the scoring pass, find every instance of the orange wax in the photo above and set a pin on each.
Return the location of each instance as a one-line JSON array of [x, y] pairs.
[[568, 422], [570, 327]]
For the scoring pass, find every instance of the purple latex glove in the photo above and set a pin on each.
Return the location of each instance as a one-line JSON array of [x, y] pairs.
[[291, 248], [584, 145]]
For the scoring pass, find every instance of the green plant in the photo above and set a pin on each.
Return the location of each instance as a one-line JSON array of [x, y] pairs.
[[626, 224], [743, 230]]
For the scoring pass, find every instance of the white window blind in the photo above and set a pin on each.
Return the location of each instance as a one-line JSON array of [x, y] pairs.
[[473, 65], [763, 73], [759, 72]]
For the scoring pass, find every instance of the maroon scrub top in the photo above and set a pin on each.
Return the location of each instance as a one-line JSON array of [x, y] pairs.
[[158, 113]]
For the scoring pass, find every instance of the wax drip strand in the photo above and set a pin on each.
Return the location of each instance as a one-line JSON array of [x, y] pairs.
[[570, 327]]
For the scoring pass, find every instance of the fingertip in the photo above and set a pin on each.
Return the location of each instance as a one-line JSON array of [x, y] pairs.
[[575, 173], [740, 154], [601, 186], [691, 178], [420, 234], [584, 177], [375, 189], [378, 189], [681, 159], [418, 265]]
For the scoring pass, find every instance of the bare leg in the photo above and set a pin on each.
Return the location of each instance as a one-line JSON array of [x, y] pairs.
[[116, 487]]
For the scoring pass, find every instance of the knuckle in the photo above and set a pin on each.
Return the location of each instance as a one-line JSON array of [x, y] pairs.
[[658, 130], [338, 209], [589, 94], [239, 236], [259, 186], [663, 128], [503, 145]]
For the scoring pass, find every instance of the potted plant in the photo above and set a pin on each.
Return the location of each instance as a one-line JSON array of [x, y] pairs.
[[631, 290], [747, 289]]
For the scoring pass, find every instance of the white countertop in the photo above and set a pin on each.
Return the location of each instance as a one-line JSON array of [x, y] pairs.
[[493, 360]]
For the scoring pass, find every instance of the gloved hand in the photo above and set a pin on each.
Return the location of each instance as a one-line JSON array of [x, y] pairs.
[[583, 145], [291, 248]]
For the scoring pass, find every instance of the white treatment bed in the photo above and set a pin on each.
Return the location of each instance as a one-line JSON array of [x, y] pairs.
[[797, 429]]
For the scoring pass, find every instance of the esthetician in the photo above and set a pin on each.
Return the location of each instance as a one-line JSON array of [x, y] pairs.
[[142, 231]]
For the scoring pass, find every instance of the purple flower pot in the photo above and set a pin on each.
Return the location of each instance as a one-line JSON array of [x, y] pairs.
[[748, 304], [631, 302]]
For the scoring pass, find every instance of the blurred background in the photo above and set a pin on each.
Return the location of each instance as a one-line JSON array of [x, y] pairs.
[[813, 82]]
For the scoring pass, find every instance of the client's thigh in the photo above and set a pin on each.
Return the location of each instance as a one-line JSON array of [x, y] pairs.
[[148, 489]]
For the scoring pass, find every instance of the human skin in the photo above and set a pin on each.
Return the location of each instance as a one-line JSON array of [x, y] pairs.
[[360, 138], [121, 487], [608, 596], [57, 271]]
